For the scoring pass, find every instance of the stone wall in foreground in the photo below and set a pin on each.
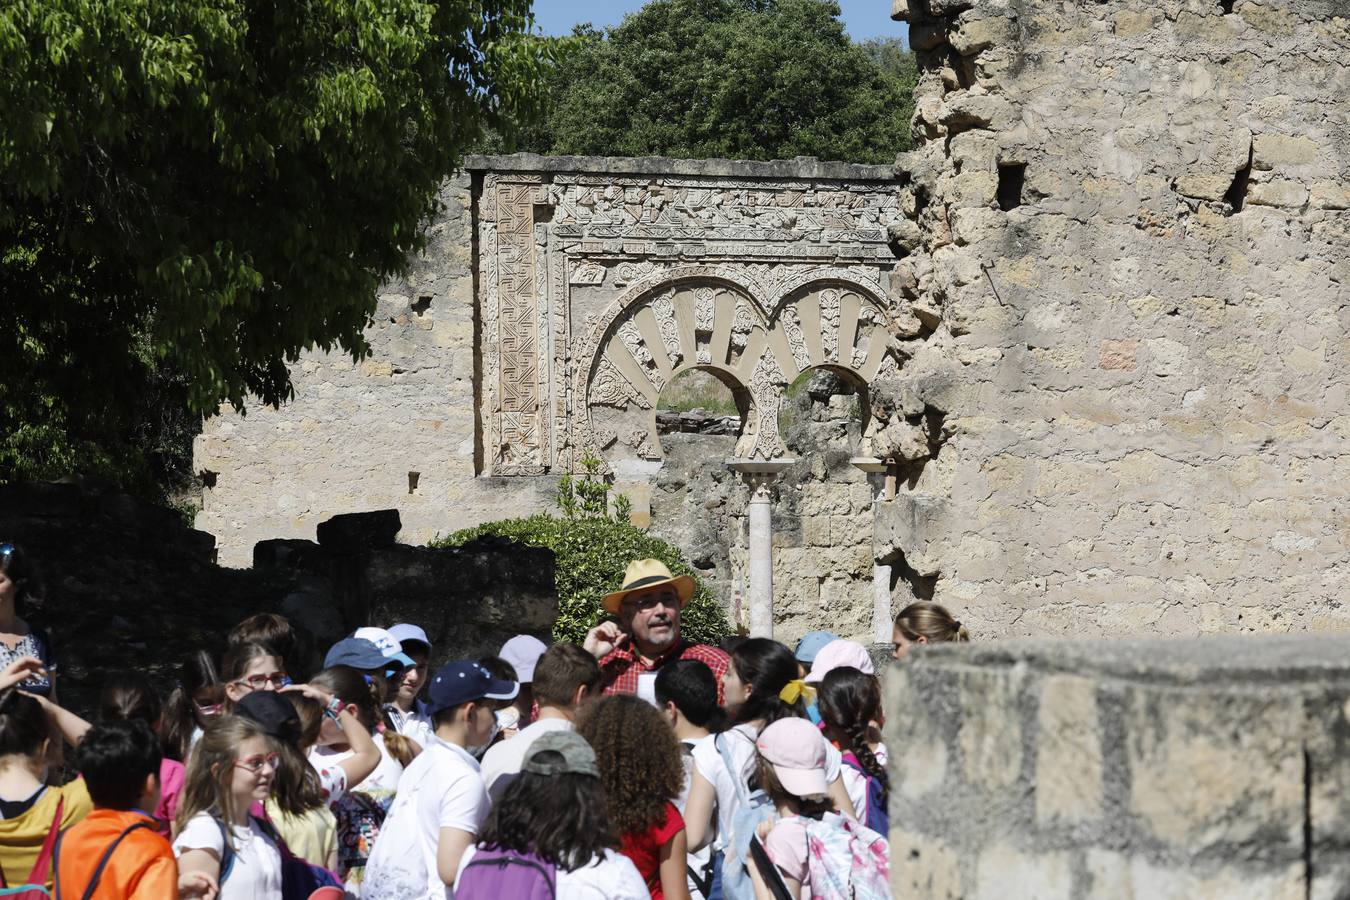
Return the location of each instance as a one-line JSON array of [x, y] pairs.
[[1133, 219], [1204, 769]]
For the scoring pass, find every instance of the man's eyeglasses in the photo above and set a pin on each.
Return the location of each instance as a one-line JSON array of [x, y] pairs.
[[259, 682], [651, 601], [255, 763]]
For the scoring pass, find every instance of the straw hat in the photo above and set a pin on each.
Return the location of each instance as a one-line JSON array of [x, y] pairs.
[[648, 573]]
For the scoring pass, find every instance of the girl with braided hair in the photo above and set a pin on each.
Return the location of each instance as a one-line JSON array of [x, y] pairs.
[[849, 700]]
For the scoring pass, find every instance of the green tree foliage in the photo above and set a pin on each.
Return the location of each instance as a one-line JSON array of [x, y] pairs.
[[592, 545], [208, 187], [743, 79]]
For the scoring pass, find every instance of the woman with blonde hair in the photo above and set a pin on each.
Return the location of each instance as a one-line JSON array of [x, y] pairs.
[[925, 622]]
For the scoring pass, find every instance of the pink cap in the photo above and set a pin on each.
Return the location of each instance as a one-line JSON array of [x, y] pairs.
[[836, 655], [796, 750]]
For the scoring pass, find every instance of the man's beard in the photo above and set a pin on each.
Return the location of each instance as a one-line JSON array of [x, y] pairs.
[[666, 637]]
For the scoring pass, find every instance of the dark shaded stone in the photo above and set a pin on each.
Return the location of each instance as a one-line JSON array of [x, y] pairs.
[[360, 531]]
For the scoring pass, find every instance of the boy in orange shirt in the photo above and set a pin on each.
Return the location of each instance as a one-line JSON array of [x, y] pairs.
[[115, 852]]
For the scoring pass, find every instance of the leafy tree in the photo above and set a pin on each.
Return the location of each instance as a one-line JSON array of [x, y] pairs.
[[208, 187], [592, 546], [744, 79]]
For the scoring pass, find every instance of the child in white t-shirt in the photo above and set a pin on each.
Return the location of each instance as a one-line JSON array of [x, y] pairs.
[[231, 768], [441, 802]]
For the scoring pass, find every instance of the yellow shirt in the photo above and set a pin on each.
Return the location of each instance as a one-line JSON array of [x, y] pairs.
[[312, 837], [21, 837]]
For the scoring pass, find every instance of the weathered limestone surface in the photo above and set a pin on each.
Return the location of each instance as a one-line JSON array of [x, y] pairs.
[[1214, 767], [1141, 358]]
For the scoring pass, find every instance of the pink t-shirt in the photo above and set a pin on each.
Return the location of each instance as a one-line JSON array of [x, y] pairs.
[[172, 775], [786, 846]]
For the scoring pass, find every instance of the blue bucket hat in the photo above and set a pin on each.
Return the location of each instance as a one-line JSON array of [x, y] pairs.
[[811, 644]]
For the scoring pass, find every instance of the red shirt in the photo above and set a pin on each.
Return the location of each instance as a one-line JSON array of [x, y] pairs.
[[622, 667], [644, 848]]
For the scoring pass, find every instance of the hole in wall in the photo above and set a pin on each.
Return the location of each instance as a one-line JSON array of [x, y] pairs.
[[1012, 178], [413, 479], [421, 304], [1236, 195], [907, 585], [1226, 6], [208, 478], [697, 402]]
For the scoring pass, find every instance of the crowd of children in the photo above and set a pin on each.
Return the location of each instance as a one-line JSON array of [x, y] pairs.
[[533, 773]]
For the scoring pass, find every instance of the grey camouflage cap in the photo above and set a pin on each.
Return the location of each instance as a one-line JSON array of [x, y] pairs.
[[577, 755]]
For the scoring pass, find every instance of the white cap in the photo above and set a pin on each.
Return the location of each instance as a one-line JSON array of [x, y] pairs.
[[523, 652], [404, 632], [387, 644]]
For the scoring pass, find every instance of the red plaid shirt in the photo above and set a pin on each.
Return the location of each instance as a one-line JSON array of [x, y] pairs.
[[622, 667]]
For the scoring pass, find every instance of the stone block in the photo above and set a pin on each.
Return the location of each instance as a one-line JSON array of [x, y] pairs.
[[975, 34], [923, 868], [1068, 751], [990, 734], [1119, 355], [1277, 193], [1270, 151], [1331, 195], [1006, 873], [1204, 187]]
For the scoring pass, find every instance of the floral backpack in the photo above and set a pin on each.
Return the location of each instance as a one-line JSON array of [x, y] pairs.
[[846, 861]]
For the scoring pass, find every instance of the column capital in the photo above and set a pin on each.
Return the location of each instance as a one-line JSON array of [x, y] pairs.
[[760, 474]]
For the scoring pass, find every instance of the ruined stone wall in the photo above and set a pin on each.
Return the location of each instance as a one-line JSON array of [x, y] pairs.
[[1131, 220], [1205, 769]]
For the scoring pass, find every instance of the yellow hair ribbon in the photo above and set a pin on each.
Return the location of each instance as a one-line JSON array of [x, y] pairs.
[[796, 689]]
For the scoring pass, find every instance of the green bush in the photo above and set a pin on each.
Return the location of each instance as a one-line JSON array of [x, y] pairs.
[[592, 549]]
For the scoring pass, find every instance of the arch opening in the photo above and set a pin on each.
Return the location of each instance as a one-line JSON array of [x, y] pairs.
[[824, 408]]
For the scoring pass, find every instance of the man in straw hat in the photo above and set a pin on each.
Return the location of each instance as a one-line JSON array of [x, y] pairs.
[[647, 633]]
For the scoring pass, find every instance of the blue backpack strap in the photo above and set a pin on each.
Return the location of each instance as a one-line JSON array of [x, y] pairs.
[[102, 862], [226, 853]]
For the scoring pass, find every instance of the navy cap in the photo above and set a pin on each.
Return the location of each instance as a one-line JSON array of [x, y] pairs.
[[358, 653], [465, 680]]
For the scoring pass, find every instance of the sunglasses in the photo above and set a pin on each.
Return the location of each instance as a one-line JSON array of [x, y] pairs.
[[255, 763], [258, 682]]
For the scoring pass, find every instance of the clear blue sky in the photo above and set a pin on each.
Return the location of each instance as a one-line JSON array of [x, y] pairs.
[[863, 18]]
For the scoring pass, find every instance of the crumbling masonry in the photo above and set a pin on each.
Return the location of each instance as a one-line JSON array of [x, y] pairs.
[[1098, 318]]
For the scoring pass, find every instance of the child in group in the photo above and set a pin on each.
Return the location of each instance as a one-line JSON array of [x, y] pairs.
[[850, 700], [552, 821], [274, 631], [198, 698], [129, 696], [686, 693], [925, 622], [813, 850], [761, 686], [298, 804], [441, 804], [251, 667], [522, 654], [362, 809], [404, 711], [641, 771], [116, 852], [231, 769], [31, 812], [508, 715]]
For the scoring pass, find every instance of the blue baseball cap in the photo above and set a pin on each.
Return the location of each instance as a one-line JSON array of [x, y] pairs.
[[811, 644], [358, 653], [465, 680]]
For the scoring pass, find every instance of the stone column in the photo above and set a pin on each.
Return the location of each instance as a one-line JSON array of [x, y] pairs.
[[881, 479], [760, 476]]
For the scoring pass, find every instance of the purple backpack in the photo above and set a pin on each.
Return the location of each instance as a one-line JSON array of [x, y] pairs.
[[496, 873]]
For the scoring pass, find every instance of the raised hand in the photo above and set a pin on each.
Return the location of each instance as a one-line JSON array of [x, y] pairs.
[[604, 639]]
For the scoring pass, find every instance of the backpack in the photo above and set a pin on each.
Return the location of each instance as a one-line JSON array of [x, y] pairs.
[[753, 807], [300, 879], [35, 887], [846, 861], [876, 816], [498, 873], [102, 861]]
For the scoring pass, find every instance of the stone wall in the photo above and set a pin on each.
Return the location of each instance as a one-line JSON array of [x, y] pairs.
[[1131, 218], [129, 586], [1207, 768]]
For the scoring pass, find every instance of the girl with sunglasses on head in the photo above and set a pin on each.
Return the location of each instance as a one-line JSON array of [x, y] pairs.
[[19, 585], [250, 667], [198, 699], [231, 769], [361, 811]]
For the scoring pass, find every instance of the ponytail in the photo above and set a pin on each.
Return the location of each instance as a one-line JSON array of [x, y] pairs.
[[849, 701], [766, 667], [366, 692], [932, 622]]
